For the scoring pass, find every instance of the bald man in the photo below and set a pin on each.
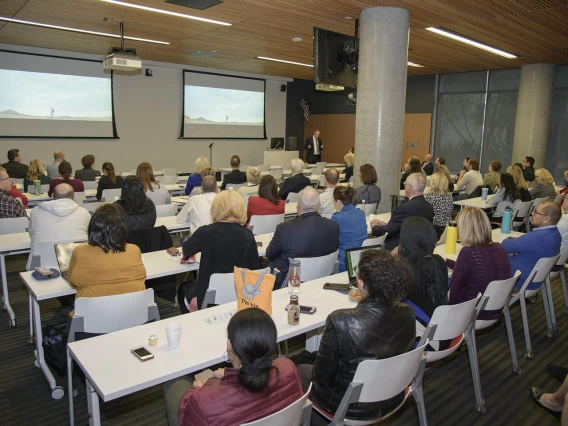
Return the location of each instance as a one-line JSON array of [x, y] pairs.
[[327, 204], [53, 168], [309, 235], [427, 165]]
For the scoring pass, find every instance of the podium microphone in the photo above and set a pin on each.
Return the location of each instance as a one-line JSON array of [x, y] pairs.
[[212, 143]]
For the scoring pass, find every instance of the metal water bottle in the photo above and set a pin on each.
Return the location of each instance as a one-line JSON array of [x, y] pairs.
[[506, 220], [451, 238]]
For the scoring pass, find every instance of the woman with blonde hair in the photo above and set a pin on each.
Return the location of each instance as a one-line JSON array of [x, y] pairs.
[[154, 191], [36, 172], [194, 180], [543, 185], [479, 262], [349, 161], [520, 182], [441, 199], [443, 169], [253, 180], [223, 245]]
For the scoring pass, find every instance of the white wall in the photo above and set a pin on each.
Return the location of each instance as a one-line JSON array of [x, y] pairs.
[[148, 121]]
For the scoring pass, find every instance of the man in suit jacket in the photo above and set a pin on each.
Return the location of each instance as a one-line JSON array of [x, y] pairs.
[[427, 165], [14, 167], [236, 176], [543, 241], [296, 182], [309, 235], [416, 206], [313, 147], [53, 168]]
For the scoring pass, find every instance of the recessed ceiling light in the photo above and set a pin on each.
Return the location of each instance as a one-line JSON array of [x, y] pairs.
[[77, 30], [166, 12], [454, 36], [286, 62], [347, 17], [296, 39], [412, 64]]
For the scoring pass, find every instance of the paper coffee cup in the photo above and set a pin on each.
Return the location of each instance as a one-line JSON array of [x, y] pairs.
[[173, 331]]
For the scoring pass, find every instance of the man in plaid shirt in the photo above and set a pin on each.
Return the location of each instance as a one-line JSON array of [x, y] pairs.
[[9, 206]]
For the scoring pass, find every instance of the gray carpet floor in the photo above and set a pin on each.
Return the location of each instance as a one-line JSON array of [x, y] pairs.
[[25, 397]]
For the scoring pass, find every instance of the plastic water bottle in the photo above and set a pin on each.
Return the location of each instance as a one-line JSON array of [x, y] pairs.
[[294, 275], [451, 238], [506, 221]]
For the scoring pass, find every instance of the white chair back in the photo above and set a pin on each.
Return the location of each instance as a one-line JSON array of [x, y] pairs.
[[326, 215], [276, 173], [110, 194], [321, 164], [537, 201], [263, 167], [498, 294], [522, 211], [91, 207], [235, 186], [92, 184], [195, 191], [317, 170], [543, 267], [292, 197], [44, 189], [452, 320], [79, 197], [169, 172], [563, 256], [313, 268], [165, 210], [321, 181], [246, 199], [168, 179], [106, 314], [266, 223], [367, 208], [290, 415], [44, 255], [375, 241], [14, 225]]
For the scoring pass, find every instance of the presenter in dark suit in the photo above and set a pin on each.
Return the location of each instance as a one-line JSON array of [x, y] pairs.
[[235, 176], [296, 182], [313, 147], [416, 206], [309, 235]]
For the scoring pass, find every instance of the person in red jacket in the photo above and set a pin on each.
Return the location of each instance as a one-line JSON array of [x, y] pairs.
[[14, 192], [267, 201], [254, 388]]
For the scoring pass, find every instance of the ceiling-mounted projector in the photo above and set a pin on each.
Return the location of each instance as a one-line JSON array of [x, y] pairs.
[[122, 60]]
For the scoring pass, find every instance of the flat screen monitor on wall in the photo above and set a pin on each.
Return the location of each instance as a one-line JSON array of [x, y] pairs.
[[44, 96], [277, 143], [217, 106], [335, 58]]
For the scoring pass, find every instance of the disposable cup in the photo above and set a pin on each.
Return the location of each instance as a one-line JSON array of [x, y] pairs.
[[173, 331]]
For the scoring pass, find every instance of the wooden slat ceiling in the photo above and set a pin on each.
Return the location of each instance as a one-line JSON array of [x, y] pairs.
[[535, 30]]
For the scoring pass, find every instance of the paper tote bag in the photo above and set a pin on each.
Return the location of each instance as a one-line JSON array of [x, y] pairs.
[[254, 289]]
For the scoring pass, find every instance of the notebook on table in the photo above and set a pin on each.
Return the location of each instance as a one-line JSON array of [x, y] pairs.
[[63, 252], [352, 257]]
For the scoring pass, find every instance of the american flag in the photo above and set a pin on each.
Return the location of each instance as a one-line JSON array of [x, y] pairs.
[[306, 109]]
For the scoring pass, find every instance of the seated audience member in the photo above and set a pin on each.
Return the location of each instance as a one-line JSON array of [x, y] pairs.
[[351, 221], [379, 327], [413, 166], [207, 171], [554, 403], [429, 287], [563, 222], [369, 190], [14, 167], [194, 180], [9, 206], [65, 173], [465, 164], [479, 262], [440, 161], [296, 182], [327, 204], [543, 241], [139, 210], [235, 176], [520, 182], [491, 179], [309, 235], [470, 180], [506, 196], [349, 161], [59, 220], [255, 387], [443, 169], [543, 185], [107, 265], [223, 245], [427, 165], [416, 206], [87, 173], [253, 179], [196, 209], [109, 180], [53, 168], [267, 202], [565, 183], [16, 193], [155, 191], [528, 169], [35, 172], [442, 202]]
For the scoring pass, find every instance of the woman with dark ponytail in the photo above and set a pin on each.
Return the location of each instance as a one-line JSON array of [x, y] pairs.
[[255, 387], [351, 221]]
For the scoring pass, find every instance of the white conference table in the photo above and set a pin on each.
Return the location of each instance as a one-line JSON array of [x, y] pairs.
[[114, 372], [475, 202], [175, 188], [385, 217]]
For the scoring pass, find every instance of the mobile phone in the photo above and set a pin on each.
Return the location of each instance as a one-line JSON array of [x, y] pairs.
[[44, 272], [142, 353], [336, 286], [310, 310], [259, 243]]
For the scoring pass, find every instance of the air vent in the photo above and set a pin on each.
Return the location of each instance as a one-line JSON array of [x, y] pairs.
[[199, 54], [195, 4]]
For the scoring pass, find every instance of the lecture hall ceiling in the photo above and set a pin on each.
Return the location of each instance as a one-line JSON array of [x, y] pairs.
[[534, 30]]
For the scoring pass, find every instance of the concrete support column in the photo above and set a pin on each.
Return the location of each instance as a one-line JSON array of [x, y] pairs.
[[533, 113]]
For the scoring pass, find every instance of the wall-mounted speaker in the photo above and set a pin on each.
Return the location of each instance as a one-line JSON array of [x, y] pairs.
[[283, 88]]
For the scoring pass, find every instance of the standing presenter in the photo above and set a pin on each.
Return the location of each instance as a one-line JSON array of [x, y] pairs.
[[314, 147]]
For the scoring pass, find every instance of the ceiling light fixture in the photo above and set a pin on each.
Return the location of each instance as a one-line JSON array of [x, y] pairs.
[[167, 12], [296, 39], [282, 60], [454, 36], [77, 30], [412, 64]]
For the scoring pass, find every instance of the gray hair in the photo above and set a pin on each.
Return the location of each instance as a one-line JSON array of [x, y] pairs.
[[253, 175], [308, 200], [209, 184], [297, 165], [417, 182]]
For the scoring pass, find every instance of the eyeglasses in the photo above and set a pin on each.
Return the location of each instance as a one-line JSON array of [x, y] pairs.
[[542, 214], [9, 179]]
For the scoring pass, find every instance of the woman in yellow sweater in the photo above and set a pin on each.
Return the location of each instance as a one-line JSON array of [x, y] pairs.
[[107, 265]]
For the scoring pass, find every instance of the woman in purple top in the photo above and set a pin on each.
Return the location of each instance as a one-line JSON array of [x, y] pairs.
[[479, 262]]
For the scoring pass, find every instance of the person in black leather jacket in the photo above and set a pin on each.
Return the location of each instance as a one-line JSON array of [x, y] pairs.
[[379, 327]]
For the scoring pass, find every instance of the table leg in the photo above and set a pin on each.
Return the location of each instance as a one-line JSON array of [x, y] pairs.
[[31, 311], [313, 339], [5, 297], [93, 402], [70, 387]]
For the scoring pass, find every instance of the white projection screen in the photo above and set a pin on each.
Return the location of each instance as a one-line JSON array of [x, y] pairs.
[[44, 96], [217, 106]]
